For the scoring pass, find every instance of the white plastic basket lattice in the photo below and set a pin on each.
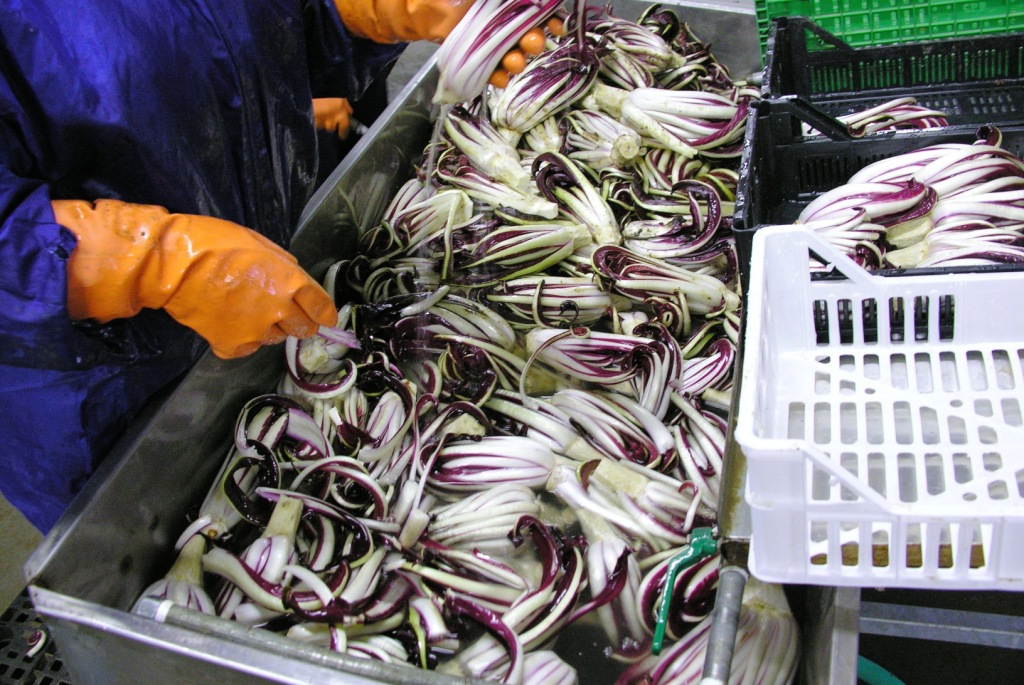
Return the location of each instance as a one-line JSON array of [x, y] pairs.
[[881, 418]]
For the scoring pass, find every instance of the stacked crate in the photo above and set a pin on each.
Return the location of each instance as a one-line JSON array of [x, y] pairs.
[[879, 415]]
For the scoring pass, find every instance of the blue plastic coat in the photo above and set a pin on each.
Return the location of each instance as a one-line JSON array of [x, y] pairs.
[[201, 106]]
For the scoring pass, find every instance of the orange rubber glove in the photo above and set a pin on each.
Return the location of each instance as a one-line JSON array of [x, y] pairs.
[[395, 21], [231, 285], [333, 114]]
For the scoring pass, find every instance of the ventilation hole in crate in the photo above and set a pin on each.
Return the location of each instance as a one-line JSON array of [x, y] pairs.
[[992, 461], [934, 474], [822, 423], [876, 472], [898, 372], [819, 531], [849, 388], [948, 372], [820, 485], [847, 423], [963, 471], [941, 554], [17, 674], [1003, 369], [844, 310], [903, 422], [851, 551], [957, 430], [945, 533], [848, 460], [910, 555], [873, 426], [797, 421], [970, 497], [896, 319], [987, 435], [848, 363], [976, 372], [819, 174], [906, 473], [1011, 411], [822, 383], [997, 490], [933, 67], [881, 539], [923, 372], [978, 535], [983, 407], [827, 78], [820, 314], [869, 320], [872, 367], [1019, 475], [942, 102], [921, 318], [930, 431], [946, 317]]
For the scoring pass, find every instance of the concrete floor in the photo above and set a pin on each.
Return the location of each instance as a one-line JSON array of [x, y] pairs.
[[20, 538]]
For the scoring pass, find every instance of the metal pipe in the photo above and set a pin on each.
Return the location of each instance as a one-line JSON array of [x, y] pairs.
[[945, 625], [724, 623]]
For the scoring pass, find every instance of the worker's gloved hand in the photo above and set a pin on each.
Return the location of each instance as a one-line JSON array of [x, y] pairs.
[[334, 115], [231, 285], [396, 21]]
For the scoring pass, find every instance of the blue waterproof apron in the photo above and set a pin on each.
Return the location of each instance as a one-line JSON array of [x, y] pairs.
[[200, 106]]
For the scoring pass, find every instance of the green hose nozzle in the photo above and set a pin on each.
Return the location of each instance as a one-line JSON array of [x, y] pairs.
[[702, 545]]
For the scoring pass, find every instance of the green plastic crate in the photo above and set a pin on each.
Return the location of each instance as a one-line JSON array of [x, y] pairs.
[[883, 22]]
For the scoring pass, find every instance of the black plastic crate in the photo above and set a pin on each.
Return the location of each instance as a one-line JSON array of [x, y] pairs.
[[782, 170], [975, 80]]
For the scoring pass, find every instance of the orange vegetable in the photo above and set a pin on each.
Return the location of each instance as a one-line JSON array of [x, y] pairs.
[[514, 61], [556, 26], [499, 79], [532, 41]]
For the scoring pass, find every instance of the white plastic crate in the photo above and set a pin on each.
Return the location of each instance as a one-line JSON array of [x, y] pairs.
[[881, 418]]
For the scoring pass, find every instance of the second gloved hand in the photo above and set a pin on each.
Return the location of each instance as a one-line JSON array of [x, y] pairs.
[[395, 21], [228, 283], [333, 115]]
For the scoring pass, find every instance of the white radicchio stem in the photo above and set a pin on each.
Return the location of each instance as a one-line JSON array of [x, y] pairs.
[[183, 583]]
